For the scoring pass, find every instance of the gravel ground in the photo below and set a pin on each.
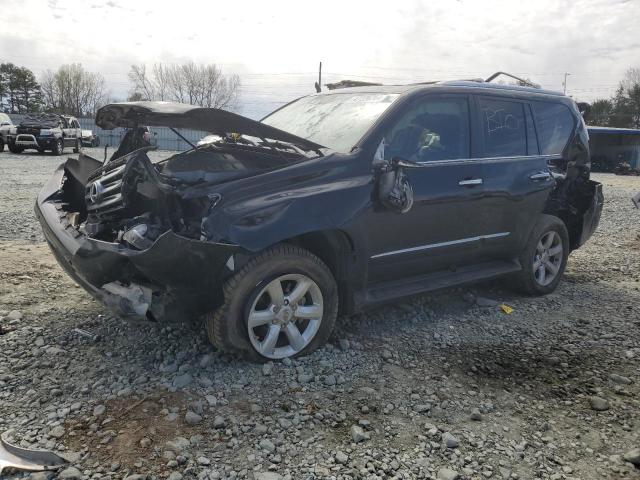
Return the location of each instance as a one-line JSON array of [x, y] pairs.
[[439, 386]]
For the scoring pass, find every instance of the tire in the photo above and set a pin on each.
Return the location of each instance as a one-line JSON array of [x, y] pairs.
[[541, 257], [76, 149], [40, 150], [58, 148], [13, 148], [96, 142], [1, 145], [246, 296]]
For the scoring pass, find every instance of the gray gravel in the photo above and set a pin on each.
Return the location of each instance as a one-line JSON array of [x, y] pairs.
[[436, 386]]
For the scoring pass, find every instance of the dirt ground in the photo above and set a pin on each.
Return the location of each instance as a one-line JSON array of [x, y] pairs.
[[441, 386]]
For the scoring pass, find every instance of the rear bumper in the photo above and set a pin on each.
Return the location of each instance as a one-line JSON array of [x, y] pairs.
[[175, 275], [591, 217]]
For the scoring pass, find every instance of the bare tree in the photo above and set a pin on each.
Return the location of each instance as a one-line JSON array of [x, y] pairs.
[[631, 79], [196, 84], [71, 89]]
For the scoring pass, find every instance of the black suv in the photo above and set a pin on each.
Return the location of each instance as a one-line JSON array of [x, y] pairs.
[[334, 203], [46, 131]]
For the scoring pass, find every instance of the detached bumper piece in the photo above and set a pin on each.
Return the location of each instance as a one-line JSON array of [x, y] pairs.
[[175, 275], [29, 460]]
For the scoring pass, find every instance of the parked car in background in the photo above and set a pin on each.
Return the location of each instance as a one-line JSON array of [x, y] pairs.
[[6, 128], [90, 139], [334, 203], [46, 131]]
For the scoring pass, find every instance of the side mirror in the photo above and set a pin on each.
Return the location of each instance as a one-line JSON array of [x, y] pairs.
[[394, 190]]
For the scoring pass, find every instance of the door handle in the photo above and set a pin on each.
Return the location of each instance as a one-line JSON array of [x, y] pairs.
[[470, 182], [540, 176]]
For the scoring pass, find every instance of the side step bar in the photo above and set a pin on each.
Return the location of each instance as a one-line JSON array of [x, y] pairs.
[[384, 292]]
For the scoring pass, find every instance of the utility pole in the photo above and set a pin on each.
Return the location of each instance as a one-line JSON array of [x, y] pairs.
[[319, 82], [565, 82]]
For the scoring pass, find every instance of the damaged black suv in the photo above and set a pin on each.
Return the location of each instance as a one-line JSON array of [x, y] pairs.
[[334, 203]]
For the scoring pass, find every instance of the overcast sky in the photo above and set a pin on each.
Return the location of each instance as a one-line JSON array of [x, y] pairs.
[[275, 46]]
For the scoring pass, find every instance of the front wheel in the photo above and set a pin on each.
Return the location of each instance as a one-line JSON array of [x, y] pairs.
[[282, 303], [13, 148], [545, 257], [58, 148]]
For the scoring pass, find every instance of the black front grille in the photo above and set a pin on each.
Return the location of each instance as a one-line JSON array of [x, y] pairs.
[[28, 130]]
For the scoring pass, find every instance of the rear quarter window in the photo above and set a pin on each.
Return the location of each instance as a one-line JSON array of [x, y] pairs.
[[554, 124], [503, 126]]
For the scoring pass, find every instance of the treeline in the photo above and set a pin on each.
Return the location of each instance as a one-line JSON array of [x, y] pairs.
[[71, 89], [19, 90], [197, 84], [75, 91], [623, 109]]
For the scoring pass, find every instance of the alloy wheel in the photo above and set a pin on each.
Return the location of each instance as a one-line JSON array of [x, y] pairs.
[[547, 259], [285, 316]]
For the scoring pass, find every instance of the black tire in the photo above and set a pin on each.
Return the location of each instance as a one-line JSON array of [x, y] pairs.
[[58, 148], [76, 149], [40, 150], [227, 327], [96, 142], [1, 145], [527, 280], [13, 148]]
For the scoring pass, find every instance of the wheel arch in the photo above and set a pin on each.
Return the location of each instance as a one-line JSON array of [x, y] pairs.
[[336, 249]]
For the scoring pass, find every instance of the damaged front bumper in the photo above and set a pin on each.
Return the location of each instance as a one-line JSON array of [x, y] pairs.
[[174, 276]]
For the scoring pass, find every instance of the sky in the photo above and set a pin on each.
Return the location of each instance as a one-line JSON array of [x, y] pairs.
[[275, 46]]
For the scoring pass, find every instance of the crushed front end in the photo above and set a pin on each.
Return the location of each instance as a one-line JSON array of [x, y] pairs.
[[123, 232]]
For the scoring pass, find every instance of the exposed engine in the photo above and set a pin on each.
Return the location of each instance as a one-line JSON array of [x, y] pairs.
[[132, 200]]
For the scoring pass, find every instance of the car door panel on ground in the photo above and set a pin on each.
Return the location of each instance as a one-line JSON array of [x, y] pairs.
[[517, 180], [443, 228]]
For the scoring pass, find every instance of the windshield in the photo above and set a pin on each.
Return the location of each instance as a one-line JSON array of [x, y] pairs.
[[336, 121]]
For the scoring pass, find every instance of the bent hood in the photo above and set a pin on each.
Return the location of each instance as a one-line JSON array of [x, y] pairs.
[[180, 115]]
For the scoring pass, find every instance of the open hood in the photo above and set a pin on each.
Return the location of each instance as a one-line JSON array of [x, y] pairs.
[[180, 115]]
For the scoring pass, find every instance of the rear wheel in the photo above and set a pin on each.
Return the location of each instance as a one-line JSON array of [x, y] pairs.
[[1, 145], [282, 303], [58, 147], [76, 149], [545, 257]]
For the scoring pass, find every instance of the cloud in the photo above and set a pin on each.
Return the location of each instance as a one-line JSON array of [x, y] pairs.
[[275, 46]]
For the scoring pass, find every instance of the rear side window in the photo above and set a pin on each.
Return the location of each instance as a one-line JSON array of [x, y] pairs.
[[503, 127], [554, 124]]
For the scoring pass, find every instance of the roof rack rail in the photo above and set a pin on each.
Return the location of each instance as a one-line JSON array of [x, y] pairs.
[[521, 80]]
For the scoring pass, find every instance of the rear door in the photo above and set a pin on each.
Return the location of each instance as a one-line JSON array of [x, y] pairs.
[[517, 179]]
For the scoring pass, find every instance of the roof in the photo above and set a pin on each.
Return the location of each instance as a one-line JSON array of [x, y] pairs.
[[612, 131]]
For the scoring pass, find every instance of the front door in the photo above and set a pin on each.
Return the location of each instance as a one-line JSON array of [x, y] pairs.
[[446, 226]]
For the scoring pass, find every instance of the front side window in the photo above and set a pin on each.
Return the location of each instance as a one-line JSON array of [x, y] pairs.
[[337, 121], [434, 129], [503, 128], [554, 124]]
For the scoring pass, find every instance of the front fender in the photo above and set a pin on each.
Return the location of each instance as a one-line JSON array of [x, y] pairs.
[[269, 218]]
